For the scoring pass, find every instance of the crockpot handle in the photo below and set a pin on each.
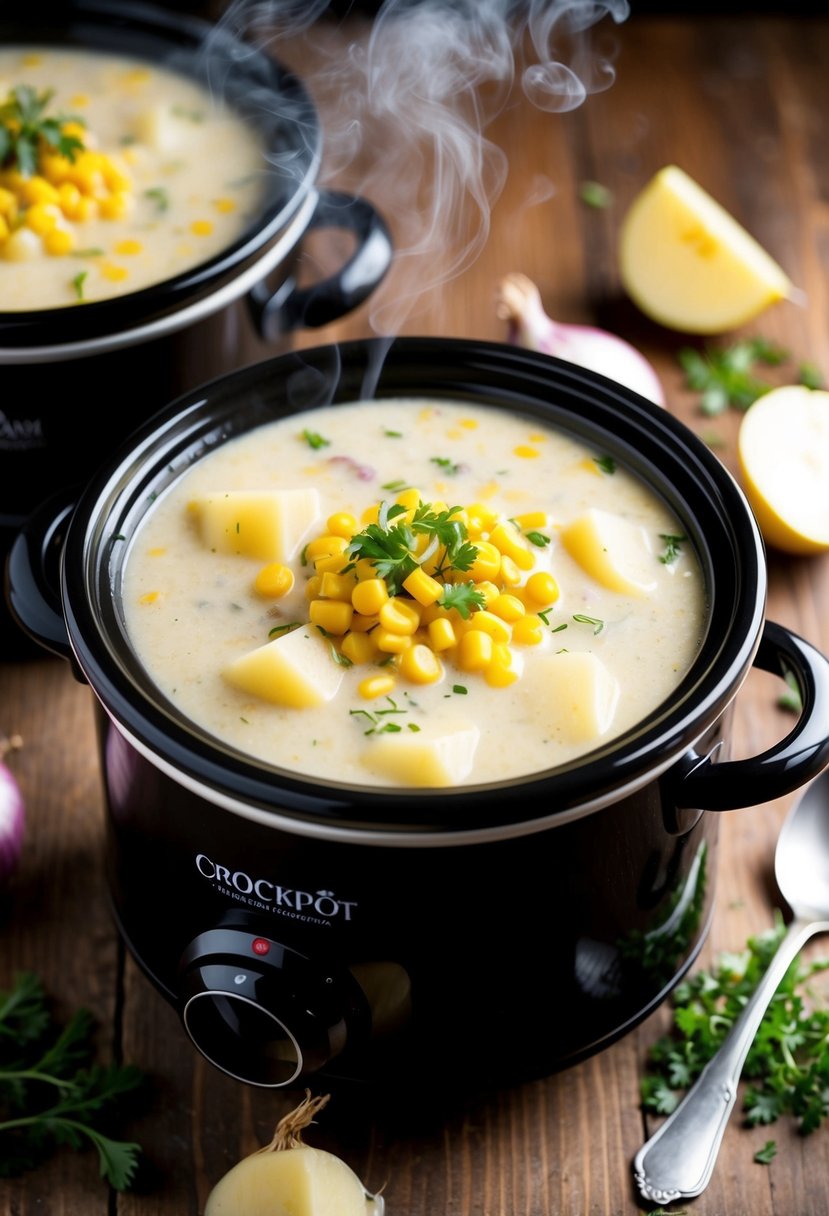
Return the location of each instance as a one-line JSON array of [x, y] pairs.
[[791, 763], [32, 577], [292, 307]]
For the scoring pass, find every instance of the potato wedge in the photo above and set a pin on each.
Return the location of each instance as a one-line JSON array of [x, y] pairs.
[[613, 551], [266, 524], [424, 758], [296, 670]]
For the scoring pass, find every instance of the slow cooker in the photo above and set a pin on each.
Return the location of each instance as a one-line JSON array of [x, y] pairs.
[[80, 378], [487, 933]]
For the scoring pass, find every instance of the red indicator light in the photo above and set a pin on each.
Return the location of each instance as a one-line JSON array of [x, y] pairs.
[[261, 946]]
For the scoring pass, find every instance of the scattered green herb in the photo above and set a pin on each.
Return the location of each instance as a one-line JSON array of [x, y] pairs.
[[791, 698], [78, 283], [544, 613], [767, 1153], [588, 620], [725, 377], [288, 627], [447, 465], [393, 434], [788, 1064], [606, 463], [160, 196], [51, 1095], [460, 689], [314, 440], [395, 486], [23, 127], [538, 539], [92, 252], [595, 195], [378, 726], [465, 597], [672, 547]]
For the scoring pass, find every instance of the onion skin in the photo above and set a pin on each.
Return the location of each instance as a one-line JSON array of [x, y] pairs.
[[519, 304], [12, 814]]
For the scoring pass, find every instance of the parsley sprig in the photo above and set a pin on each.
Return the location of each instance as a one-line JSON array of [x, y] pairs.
[[50, 1094], [390, 544], [24, 126], [787, 1068]]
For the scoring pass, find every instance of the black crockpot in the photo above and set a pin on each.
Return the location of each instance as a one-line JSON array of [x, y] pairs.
[[487, 933]]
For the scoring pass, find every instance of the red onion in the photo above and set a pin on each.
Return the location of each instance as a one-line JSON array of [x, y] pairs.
[[519, 304], [12, 813]]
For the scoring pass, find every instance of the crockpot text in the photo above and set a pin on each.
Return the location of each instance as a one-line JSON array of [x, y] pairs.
[[321, 907]]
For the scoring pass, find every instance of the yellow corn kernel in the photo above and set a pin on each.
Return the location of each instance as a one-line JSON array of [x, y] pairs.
[[410, 499], [528, 630], [500, 673], [335, 564], [68, 198], [370, 515], [530, 520], [54, 167], [201, 227], [75, 130], [4, 229], [274, 580], [481, 516], [488, 590], [313, 587], [376, 686], [8, 203], [507, 607], [541, 588], [85, 209], [441, 633], [391, 643], [508, 540], [157, 551], [359, 647], [150, 597], [115, 274], [474, 651], [325, 546], [365, 568], [336, 586], [58, 242], [42, 217], [37, 189], [224, 205], [22, 245], [487, 563], [510, 574], [420, 664], [363, 624], [400, 616], [117, 179], [525, 452], [115, 206], [487, 622], [343, 524], [128, 247], [334, 616], [369, 596], [423, 588]]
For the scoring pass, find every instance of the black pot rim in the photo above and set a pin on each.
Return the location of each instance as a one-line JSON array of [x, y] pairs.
[[142, 30], [646, 437]]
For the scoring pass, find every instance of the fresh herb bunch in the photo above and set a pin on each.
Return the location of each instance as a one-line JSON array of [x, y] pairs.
[[24, 127], [51, 1095], [727, 377], [787, 1067], [391, 545]]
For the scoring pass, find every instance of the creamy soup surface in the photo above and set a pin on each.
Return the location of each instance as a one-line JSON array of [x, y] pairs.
[[253, 596], [157, 177]]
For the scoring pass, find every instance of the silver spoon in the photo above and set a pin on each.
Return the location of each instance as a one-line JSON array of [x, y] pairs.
[[678, 1160]]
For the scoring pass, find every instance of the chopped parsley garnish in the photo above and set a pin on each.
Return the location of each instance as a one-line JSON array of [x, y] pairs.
[[286, 628], [393, 434], [23, 127], [767, 1153], [315, 440], [672, 547], [377, 725], [92, 252], [447, 465], [395, 486], [606, 463], [460, 689], [465, 597], [391, 546], [538, 539], [726, 377]]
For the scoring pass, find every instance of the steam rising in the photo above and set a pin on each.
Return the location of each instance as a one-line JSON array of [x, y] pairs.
[[406, 101]]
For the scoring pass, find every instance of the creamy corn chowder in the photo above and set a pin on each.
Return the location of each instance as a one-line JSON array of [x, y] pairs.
[[412, 593], [114, 174]]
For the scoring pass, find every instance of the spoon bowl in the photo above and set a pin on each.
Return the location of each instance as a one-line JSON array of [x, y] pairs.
[[678, 1160]]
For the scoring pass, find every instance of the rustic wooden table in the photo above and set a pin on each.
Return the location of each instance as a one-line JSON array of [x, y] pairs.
[[741, 103]]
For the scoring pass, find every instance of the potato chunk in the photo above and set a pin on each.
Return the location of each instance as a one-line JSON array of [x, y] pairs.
[[296, 670], [437, 757], [266, 524], [613, 551], [580, 693]]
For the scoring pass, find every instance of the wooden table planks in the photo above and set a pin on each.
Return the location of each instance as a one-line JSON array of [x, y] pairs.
[[740, 103]]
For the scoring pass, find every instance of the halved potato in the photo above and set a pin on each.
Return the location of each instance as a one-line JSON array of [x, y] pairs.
[[266, 524], [296, 670], [425, 758], [613, 551]]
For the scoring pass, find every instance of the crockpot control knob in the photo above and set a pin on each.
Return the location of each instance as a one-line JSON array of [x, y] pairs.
[[260, 1011]]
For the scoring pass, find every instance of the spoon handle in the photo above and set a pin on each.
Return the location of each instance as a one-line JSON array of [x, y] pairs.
[[678, 1160]]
